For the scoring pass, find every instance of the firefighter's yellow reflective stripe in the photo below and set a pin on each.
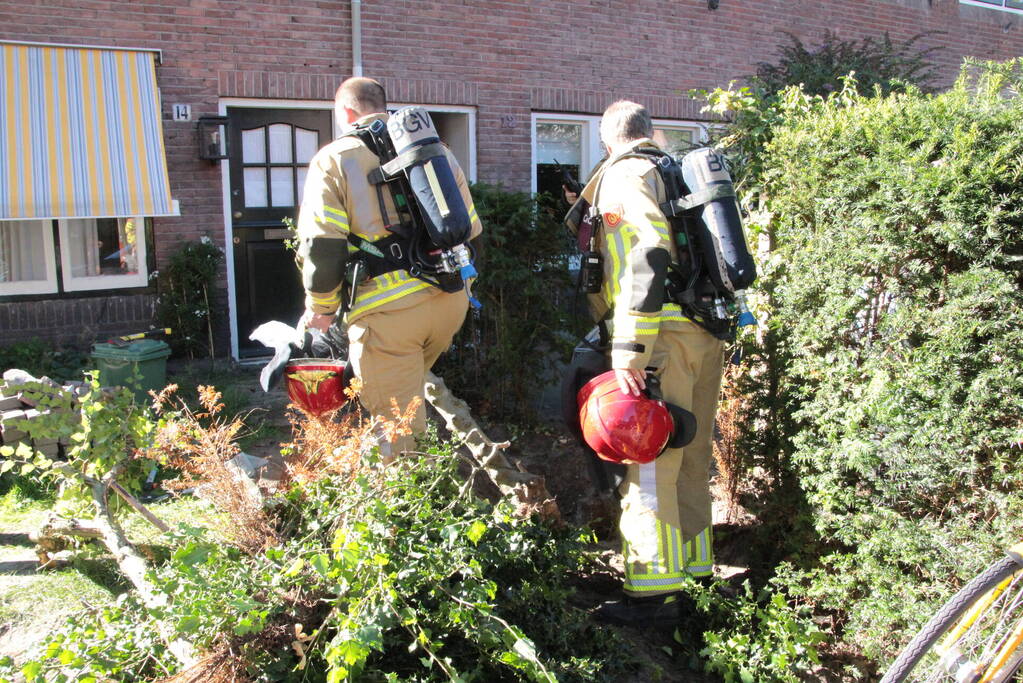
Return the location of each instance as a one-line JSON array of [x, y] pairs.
[[661, 559], [327, 300], [322, 220], [473, 216], [678, 551], [662, 230], [616, 249], [385, 289], [699, 554], [646, 326], [636, 584], [337, 213], [671, 312]]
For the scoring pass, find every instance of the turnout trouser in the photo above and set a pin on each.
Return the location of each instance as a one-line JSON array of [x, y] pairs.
[[392, 352], [666, 504]]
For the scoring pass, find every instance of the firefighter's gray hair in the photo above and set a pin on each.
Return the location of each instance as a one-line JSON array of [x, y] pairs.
[[362, 95], [625, 121]]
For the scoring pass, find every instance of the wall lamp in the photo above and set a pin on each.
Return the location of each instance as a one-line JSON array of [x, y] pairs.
[[213, 138]]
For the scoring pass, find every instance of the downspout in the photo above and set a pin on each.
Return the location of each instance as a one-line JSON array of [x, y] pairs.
[[356, 37]]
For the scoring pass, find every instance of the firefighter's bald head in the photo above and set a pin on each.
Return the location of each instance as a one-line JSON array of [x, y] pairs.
[[361, 96], [624, 122]]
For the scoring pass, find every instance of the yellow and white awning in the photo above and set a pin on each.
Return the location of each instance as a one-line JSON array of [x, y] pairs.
[[80, 134]]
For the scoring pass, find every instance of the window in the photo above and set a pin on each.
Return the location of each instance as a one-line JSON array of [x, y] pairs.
[[676, 139], [1005, 5], [26, 258], [95, 253], [102, 253], [573, 142], [559, 148], [456, 126]]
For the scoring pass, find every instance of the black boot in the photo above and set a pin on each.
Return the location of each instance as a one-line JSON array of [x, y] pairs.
[[659, 611]]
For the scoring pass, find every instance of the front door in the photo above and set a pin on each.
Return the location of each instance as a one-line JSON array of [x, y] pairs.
[[270, 153]]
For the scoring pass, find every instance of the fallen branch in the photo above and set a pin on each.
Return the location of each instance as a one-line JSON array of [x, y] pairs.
[[132, 564], [105, 528], [529, 491]]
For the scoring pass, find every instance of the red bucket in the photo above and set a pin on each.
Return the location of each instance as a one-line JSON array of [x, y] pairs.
[[316, 385]]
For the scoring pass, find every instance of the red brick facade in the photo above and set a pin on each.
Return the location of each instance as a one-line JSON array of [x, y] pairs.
[[505, 58]]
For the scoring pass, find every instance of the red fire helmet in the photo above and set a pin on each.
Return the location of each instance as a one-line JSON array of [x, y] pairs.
[[316, 385], [627, 429]]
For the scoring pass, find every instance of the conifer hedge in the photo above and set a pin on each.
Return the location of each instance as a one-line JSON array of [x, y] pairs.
[[888, 390]]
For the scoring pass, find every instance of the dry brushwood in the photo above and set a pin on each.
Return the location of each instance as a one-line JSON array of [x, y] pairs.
[[726, 438], [528, 491], [334, 444], [200, 444]]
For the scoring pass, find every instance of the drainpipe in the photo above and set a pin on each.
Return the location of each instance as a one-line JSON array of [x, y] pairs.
[[356, 37]]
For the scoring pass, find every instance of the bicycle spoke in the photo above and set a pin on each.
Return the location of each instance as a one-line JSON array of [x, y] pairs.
[[985, 646]]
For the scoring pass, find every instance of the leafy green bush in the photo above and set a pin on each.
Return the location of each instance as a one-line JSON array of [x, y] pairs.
[[876, 62], [39, 358], [895, 295], [758, 637], [508, 351], [397, 573], [186, 284]]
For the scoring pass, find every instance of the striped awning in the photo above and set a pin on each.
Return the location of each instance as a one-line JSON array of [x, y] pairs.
[[80, 134]]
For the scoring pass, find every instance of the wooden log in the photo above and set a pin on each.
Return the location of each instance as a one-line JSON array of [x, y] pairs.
[[528, 491]]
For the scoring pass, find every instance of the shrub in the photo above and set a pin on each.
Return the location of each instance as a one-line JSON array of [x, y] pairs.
[[39, 358], [876, 62], [186, 283], [370, 573], [895, 301], [508, 350]]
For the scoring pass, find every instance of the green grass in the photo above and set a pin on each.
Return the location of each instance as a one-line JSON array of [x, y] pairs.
[[33, 603]]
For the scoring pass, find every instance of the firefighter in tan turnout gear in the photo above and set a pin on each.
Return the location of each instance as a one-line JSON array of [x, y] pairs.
[[666, 504], [397, 324]]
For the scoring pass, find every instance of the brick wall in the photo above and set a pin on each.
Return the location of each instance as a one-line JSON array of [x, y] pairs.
[[75, 322], [507, 58]]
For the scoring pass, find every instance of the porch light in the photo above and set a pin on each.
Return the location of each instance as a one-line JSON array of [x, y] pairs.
[[213, 138]]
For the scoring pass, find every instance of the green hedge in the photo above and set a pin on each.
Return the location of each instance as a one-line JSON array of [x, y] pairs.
[[895, 344], [508, 351]]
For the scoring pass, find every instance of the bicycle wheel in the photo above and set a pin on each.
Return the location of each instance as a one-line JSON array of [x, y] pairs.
[[977, 636]]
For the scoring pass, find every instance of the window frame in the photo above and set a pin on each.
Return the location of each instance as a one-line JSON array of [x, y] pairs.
[[999, 8], [47, 286], [90, 283], [592, 150]]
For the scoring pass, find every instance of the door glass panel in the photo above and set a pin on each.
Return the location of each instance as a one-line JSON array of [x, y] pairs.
[[254, 146], [255, 187], [282, 189], [306, 144], [280, 143], [302, 171]]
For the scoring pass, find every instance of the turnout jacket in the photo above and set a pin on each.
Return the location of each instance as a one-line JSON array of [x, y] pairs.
[[636, 245], [339, 200]]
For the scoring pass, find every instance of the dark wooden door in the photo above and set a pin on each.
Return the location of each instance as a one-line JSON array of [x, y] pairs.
[[270, 152]]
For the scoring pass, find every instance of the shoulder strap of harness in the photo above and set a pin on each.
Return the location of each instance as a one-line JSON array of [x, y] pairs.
[[395, 251]]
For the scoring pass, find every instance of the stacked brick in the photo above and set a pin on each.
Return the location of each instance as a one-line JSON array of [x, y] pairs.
[[25, 399]]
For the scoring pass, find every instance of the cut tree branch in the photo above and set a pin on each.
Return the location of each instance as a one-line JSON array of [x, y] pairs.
[[528, 491]]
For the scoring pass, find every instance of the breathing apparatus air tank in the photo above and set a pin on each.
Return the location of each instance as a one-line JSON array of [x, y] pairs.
[[719, 227], [422, 157]]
